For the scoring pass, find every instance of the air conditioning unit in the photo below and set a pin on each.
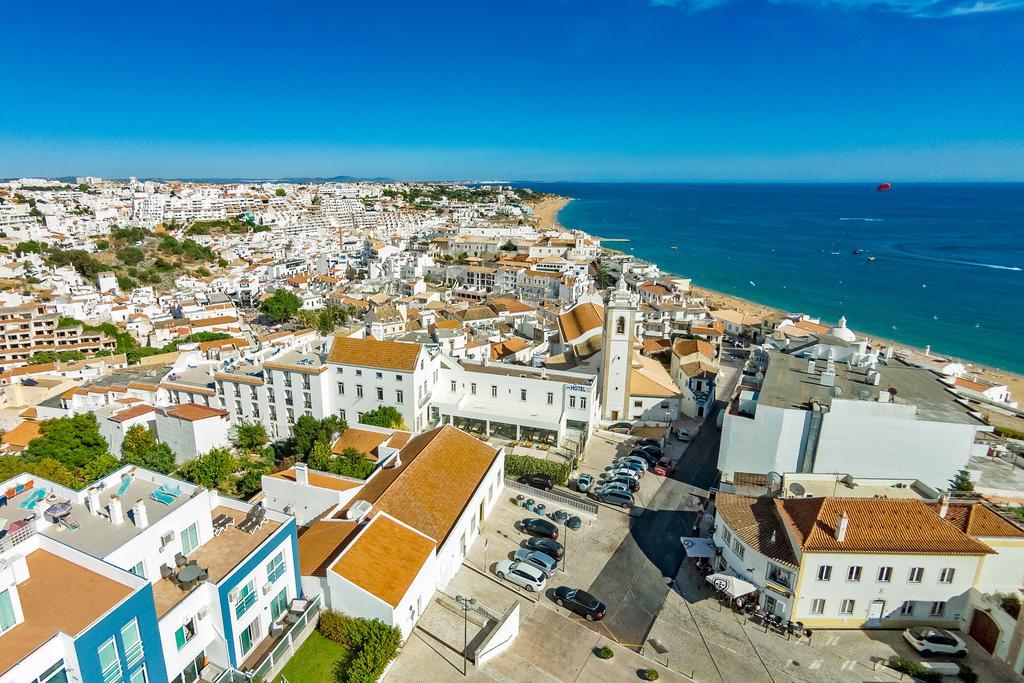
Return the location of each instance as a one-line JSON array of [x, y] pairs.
[[267, 587], [203, 613], [166, 539], [233, 596]]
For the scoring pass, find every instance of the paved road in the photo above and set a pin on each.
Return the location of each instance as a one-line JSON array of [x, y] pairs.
[[634, 582]]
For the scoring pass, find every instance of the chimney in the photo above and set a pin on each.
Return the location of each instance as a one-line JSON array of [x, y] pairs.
[[944, 505], [139, 514], [301, 473], [93, 501], [811, 367], [844, 522], [116, 511]]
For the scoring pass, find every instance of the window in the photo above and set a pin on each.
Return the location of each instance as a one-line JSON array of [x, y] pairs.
[[846, 607], [186, 633], [189, 540], [246, 599], [853, 574], [583, 403], [359, 373], [494, 391], [825, 573], [110, 664], [907, 607], [938, 608], [341, 388], [884, 574], [279, 605], [55, 673], [453, 386], [398, 378], [946, 575], [620, 326], [275, 568], [472, 388], [249, 636], [551, 398], [7, 618], [138, 676], [916, 574], [359, 391], [572, 401], [399, 397], [380, 394], [638, 404], [818, 606], [132, 643], [379, 375], [726, 536], [522, 394], [342, 413], [341, 370], [738, 548]]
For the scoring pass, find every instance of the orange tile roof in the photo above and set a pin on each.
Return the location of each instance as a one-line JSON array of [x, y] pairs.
[[753, 521], [195, 411], [188, 388], [319, 480], [244, 379], [134, 411], [365, 441], [319, 542], [22, 435], [684, 347], [972, 385], [975, 519], [446, 459], [579, 319], [373, 353], [813, 328], [876, 525], [385, 559]]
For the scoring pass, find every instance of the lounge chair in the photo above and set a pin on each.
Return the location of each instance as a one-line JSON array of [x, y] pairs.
[[173, 491], [161, 497], [69, 523], [126, 481], [256, 518], [33, 498], [221, 523]]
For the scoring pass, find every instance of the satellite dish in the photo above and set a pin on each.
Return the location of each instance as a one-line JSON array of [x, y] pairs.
[[862, 394], [797, 489], [774, 481], [837, 392]]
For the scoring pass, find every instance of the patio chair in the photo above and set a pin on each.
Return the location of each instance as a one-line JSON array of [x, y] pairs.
[[166, 572], [204, 575], [180, 560]]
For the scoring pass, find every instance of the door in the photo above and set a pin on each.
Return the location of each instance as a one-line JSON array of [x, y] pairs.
[[770, 604], [615, 415], [984, 630], [875, 612]]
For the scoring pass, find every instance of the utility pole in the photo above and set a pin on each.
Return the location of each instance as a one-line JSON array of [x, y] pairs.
[[466, 604]]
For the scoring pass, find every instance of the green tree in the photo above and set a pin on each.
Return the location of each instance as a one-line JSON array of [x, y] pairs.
[[281, 306], [98, 467], [29, 247], [961, 482], [72, 441], [250, 436], [141, 448], [352, 463], [385, 416], [130, 256], [308, 430], [279, 192], [320, 457], [210, 469], [509, 246]]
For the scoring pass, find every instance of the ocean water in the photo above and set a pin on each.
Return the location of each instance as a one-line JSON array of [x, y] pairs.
[[949, 268]]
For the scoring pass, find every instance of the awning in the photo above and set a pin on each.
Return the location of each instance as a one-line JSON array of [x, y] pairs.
[[730, 585], [698, 547]]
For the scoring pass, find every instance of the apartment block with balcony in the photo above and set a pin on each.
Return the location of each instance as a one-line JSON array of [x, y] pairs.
[[33, 328]]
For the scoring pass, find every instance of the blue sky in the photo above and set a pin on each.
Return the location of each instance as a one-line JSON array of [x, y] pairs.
[[532, 89]]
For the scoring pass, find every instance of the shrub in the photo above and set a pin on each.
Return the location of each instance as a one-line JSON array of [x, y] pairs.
[[649, 674], [373, 644], [605, 652], [967, 674], [1010, 602], [521, 465], [332, 625], [1010, 433], [915, 669]]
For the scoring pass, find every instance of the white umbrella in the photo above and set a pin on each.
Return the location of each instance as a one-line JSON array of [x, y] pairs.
[[698, 547], [732, 586]]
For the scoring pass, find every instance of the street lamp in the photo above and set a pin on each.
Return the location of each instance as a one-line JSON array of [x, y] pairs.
[[466, 604]]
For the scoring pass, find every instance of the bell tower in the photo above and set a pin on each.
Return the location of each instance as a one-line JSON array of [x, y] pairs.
[[617, 349]]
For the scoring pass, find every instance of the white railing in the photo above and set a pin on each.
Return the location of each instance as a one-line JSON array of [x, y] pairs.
[[561, 499]]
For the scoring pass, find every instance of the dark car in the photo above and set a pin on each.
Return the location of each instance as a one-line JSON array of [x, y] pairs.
[[633, 484], [649, 457], [580, 602], [538, 481], [647, 442], [611, 497], [665, 466], [549, 547], [536, 526], [653, 450]]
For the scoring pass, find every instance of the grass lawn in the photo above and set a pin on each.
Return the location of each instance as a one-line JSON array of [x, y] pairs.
[[316, 660]]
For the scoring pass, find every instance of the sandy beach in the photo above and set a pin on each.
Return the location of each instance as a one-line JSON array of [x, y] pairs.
[[1012, 380], [546, 212]]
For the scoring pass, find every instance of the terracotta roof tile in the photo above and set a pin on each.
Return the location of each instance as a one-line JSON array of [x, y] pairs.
[[373, 353], [319, 542], [320, 480], [194, 411], [975, 519], [580, 319], [753, 521]]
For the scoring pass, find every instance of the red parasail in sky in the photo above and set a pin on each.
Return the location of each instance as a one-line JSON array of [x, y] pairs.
[[884, 187]]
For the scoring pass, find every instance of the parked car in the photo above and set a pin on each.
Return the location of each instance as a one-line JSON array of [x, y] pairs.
[[929, 640], [543, 562], [620, 498], [537, 481], [526, 575], [584, 482], [620, 427], [616, 471], [535, 526], [631, 483], [548, 546], [619, 486], [633, 463], [581, 602], [647, 442], [650, 458], [683, 434], [665, 466], [656, 451]]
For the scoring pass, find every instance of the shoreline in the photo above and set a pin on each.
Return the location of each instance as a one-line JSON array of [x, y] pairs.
[[716, 299], [546, 211]]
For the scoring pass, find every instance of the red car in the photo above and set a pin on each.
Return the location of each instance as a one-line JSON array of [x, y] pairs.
[[664, 466]]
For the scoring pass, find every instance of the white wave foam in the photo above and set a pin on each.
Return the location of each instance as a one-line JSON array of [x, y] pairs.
[[866, 220]]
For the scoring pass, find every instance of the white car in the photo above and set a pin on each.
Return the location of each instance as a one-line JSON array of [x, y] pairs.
[[622, 472], [935, 641], [614, 486], [526, 575]]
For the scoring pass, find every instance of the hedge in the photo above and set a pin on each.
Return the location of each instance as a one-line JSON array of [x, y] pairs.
[[520, 465], [371, 642], [1009, 433], [915, 669]]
